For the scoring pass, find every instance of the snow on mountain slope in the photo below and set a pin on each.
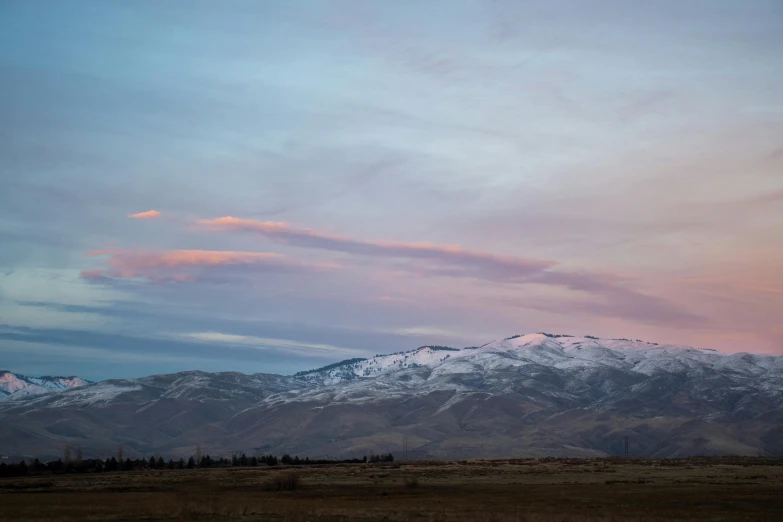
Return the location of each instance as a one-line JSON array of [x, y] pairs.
[[378, 365], [11, 383], [583, 371], [534, 394], [192, 386], [15, 386], [561, 352], [98, 394]]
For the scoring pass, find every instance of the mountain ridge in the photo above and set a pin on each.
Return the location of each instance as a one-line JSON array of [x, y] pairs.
[[347, 362], [524, 395], [17, 386]]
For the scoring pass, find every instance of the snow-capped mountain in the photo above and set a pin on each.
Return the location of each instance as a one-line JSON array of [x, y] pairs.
[[357, 368], [534, 394], [16, 386], [564, 352]]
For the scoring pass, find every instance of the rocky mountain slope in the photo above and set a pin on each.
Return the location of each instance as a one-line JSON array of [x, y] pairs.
[[527, 395], [15, 386]]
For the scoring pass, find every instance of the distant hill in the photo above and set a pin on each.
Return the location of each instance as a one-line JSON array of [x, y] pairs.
[[525, 395]]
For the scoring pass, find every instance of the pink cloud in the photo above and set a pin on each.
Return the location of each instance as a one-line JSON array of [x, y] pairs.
[[614, 296], [470, 263], [149, 214], [186, 265]]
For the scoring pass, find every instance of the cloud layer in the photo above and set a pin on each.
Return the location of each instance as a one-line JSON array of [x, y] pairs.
[[185, 265], [616, 174]]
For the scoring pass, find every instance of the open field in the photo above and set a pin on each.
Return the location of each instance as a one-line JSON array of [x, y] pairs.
[[487, 490]]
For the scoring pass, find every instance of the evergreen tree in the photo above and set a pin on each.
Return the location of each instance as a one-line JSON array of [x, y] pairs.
[[57, 466], [191, 463]]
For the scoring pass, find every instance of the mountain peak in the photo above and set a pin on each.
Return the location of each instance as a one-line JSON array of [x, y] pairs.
[[14, 386]]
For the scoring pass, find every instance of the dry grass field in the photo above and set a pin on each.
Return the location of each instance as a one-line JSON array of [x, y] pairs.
[[481, 490]]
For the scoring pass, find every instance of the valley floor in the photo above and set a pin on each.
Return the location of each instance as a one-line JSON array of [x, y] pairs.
[[720, 488]]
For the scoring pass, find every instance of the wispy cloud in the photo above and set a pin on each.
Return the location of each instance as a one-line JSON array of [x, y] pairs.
[[154, 352], [265, 343], [479, 263], [431, 331], [147, 214], [391, 299], [614, 297], [615, 302], [184, 265]]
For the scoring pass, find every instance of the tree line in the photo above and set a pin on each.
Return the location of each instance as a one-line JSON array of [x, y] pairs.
[[113, 464]]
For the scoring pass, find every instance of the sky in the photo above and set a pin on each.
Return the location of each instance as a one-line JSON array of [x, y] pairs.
[[274, 186]]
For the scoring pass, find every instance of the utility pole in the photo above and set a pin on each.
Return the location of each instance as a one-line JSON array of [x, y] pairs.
[[625, 439], [405, 447]]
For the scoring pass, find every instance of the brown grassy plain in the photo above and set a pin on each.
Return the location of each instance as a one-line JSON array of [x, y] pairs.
[[482, 490]]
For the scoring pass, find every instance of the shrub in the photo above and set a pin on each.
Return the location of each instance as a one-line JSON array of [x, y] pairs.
[[283, 482], [412, 483]]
